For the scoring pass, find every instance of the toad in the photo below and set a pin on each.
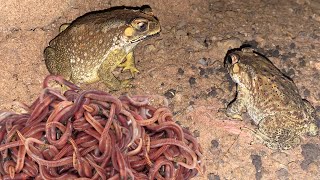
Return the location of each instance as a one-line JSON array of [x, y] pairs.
[[271, 100], [95, 44]]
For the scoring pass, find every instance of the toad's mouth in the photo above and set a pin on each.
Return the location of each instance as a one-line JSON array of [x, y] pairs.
[[145, 37]]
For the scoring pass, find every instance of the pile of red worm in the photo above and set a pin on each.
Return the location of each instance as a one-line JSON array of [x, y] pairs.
[[93, 135]]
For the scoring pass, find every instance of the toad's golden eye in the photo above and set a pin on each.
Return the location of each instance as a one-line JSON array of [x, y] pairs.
[[140, 25], [231, 59], [228, 60]]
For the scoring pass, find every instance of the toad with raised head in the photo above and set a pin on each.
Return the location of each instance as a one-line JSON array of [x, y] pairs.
[[270, 98]]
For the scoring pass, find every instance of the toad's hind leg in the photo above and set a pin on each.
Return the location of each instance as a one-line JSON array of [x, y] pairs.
[[55, 64], [312, 129], [275, 136]]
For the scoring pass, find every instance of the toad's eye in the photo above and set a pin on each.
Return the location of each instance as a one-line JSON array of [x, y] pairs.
[[228, 60], [232, 59], [140, 25]]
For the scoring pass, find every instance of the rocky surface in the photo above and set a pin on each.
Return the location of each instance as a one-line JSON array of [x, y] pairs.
[[185, 64]]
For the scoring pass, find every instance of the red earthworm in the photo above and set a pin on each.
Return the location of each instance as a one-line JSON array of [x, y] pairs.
[[165, 116], [40, 161], [65, 130], [106, 98], [85, 151], [121, 163], [98, 168], [49, 90], [123, 121], [80, 110], [30, 131], [20, 159], [89, 143], [136, 101], [5, 115], [30, 168], [161, 142], [135, 129], [93, 109], [96, 122], [10, 145], [197, 149], [20, 176], [92, 133], [160, 162], [106, 149], [60, 80], [93, 122], [39, 108], [38, 119], [11, 133], [136, 150], [155, 117], [153, 156], [61, 112], [105, 131], [9, 168], [79, 163], [46, 175], [100, 104], [168, 125]]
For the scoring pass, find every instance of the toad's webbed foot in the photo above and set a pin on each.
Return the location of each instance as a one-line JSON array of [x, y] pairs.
[[129, 64]]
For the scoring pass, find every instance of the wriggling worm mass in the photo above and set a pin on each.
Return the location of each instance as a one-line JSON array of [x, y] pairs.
[[90, 134]]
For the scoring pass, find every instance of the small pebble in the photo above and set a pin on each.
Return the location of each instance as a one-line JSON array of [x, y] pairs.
[[306, 93], [211, 70], [302, 62], [192, 81], [180, 71], [196, 133], [282, 173], [207, 42], [275, 53], [291, 73], [213, 92], [311, 153], [204, 61], [212, 176], [202, 71], [170, 93], [257, 162], [214, 144], [292, 45]]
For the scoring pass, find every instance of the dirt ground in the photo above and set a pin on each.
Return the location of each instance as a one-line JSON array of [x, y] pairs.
[[185, 64]]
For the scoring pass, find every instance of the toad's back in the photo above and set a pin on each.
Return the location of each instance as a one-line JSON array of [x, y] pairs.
[[270, 91]]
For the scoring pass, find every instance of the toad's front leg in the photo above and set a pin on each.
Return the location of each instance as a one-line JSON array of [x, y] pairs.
[[129, 64], [237, 107], [105, 71]]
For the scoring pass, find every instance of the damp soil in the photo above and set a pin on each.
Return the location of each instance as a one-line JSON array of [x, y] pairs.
[[185, 64]]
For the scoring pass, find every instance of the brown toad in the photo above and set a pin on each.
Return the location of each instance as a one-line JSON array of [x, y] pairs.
[[93, 45], [270, 98]]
